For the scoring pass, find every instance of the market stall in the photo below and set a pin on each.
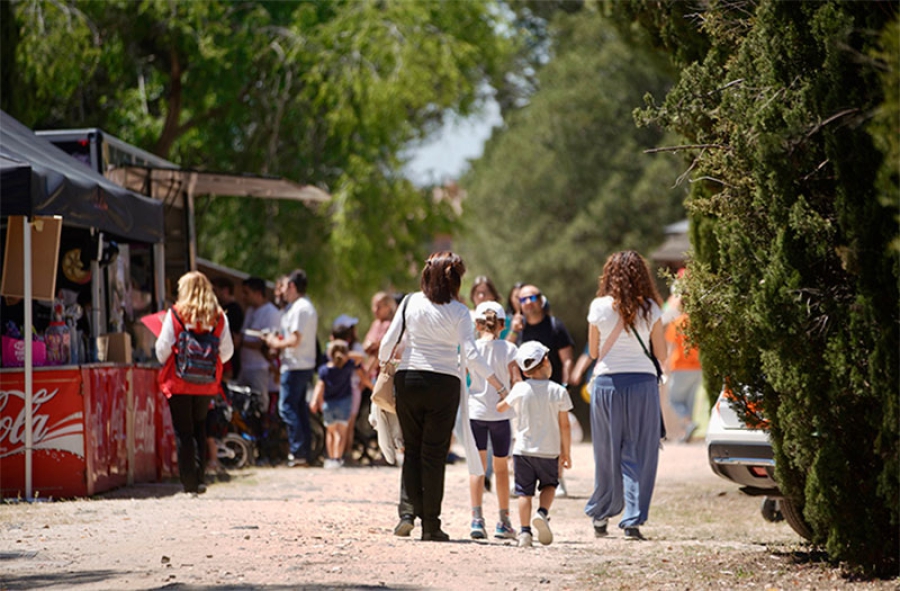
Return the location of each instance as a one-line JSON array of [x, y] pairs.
[[78, 416]]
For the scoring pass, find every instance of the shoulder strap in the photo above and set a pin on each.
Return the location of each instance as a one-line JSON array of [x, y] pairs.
[[611, 340], [648, 353], [402, 326], [403, 318], [177, 317]]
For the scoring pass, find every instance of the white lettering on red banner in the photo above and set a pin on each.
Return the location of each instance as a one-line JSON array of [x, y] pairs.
[[65, 434]]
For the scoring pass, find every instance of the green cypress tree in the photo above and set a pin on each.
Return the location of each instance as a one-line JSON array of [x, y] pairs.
[[794, 293]]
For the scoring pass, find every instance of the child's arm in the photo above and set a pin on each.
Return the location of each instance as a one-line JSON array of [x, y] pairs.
[[515, 376], [502, 406], [565, 440], [318, 397]]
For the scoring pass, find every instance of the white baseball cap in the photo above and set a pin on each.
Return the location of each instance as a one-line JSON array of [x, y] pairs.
[[485, 306], [530, 355]]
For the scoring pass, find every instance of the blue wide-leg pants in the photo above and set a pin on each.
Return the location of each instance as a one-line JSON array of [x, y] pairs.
[[625, 429]]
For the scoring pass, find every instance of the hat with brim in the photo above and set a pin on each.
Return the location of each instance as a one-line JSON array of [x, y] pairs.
[[530, 355]]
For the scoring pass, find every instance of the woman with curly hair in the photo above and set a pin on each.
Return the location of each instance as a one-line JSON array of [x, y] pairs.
[[624, 332]]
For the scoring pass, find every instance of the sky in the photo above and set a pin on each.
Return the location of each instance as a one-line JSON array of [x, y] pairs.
[[445, 155]]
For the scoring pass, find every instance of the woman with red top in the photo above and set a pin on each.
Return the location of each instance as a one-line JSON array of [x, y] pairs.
[[196, 310]]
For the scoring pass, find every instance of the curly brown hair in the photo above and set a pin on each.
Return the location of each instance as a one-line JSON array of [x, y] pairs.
[[626, 277]]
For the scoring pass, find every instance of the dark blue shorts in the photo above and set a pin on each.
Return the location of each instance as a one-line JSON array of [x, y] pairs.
[[500, 433], [530, 470]]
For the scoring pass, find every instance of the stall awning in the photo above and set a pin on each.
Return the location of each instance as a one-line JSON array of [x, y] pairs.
[[166, 183], [60, 185]]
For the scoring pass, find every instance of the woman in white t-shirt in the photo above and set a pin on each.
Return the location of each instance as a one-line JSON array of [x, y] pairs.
[[624, 331], [439, 344]]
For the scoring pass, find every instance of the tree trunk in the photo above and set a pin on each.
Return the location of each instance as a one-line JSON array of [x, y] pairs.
[[171, 130]]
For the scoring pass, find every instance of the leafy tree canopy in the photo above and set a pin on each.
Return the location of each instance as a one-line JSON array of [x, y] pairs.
[[328, 93], [566, 181]]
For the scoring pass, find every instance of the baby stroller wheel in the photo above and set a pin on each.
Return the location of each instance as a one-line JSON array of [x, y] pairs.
[[234, 451]]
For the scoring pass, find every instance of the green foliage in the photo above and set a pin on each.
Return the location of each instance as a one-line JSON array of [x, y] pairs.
[[794, 293], [566, 182], [325, 93]]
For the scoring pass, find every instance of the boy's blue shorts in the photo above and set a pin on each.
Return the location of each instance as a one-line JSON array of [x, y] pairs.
[[531, 469]]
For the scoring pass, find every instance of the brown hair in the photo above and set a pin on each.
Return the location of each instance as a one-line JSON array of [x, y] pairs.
[[442, 277], [626, 277], [490, 323], [484, 279], [197, 302], [339, 351]]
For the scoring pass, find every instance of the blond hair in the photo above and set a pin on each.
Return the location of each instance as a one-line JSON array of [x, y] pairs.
[[197, 302]]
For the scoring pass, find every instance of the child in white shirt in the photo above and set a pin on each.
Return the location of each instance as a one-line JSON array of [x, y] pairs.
[[487, 422], [542, 438]]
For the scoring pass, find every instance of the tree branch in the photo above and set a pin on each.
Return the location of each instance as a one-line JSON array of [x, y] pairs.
[[686, 147]]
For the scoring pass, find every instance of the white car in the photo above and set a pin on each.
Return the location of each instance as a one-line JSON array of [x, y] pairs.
[[743, 455]]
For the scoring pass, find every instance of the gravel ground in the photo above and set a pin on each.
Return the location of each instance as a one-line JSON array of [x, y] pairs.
[[311, 528]]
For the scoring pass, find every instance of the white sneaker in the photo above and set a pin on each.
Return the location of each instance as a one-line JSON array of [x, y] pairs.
[[541, 523], [524, 540]]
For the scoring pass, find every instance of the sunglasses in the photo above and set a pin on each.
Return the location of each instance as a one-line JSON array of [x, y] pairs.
[[531, 298]]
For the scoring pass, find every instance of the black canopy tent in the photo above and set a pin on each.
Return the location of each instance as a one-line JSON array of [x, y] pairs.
[[60, 185]]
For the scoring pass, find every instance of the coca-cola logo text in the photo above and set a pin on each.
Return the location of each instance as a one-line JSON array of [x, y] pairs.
[[65, 433]]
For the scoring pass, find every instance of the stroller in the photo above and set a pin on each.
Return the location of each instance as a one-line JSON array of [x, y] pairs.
[[242, 431]]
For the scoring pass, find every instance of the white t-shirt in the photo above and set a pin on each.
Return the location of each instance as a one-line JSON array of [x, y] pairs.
[[483, 397], [537, 404], [435, 333], [300, 317], [263, 317], [626, 355]]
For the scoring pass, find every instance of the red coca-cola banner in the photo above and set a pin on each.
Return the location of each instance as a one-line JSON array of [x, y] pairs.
[[105, 392], [144, 390], [166, 448], [80, 439], [58, 455]]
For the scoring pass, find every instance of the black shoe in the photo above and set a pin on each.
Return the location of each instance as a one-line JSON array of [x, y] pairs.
[[487, 484], [201, 488], [435, 536], [600, 530], [404, 527], [633, 533]]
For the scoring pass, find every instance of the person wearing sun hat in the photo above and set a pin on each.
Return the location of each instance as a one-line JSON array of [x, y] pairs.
[[542, 438]]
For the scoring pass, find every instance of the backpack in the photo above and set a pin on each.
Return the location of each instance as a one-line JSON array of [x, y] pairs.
[[196, 354]]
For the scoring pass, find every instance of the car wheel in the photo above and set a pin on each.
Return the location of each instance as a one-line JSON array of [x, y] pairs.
[[793, 514], [771, 511]]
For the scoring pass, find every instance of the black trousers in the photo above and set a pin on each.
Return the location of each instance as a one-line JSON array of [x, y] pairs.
[[189, 421], [427, 403]]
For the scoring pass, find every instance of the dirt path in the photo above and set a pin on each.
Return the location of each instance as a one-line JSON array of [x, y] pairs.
[[280, 528]]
